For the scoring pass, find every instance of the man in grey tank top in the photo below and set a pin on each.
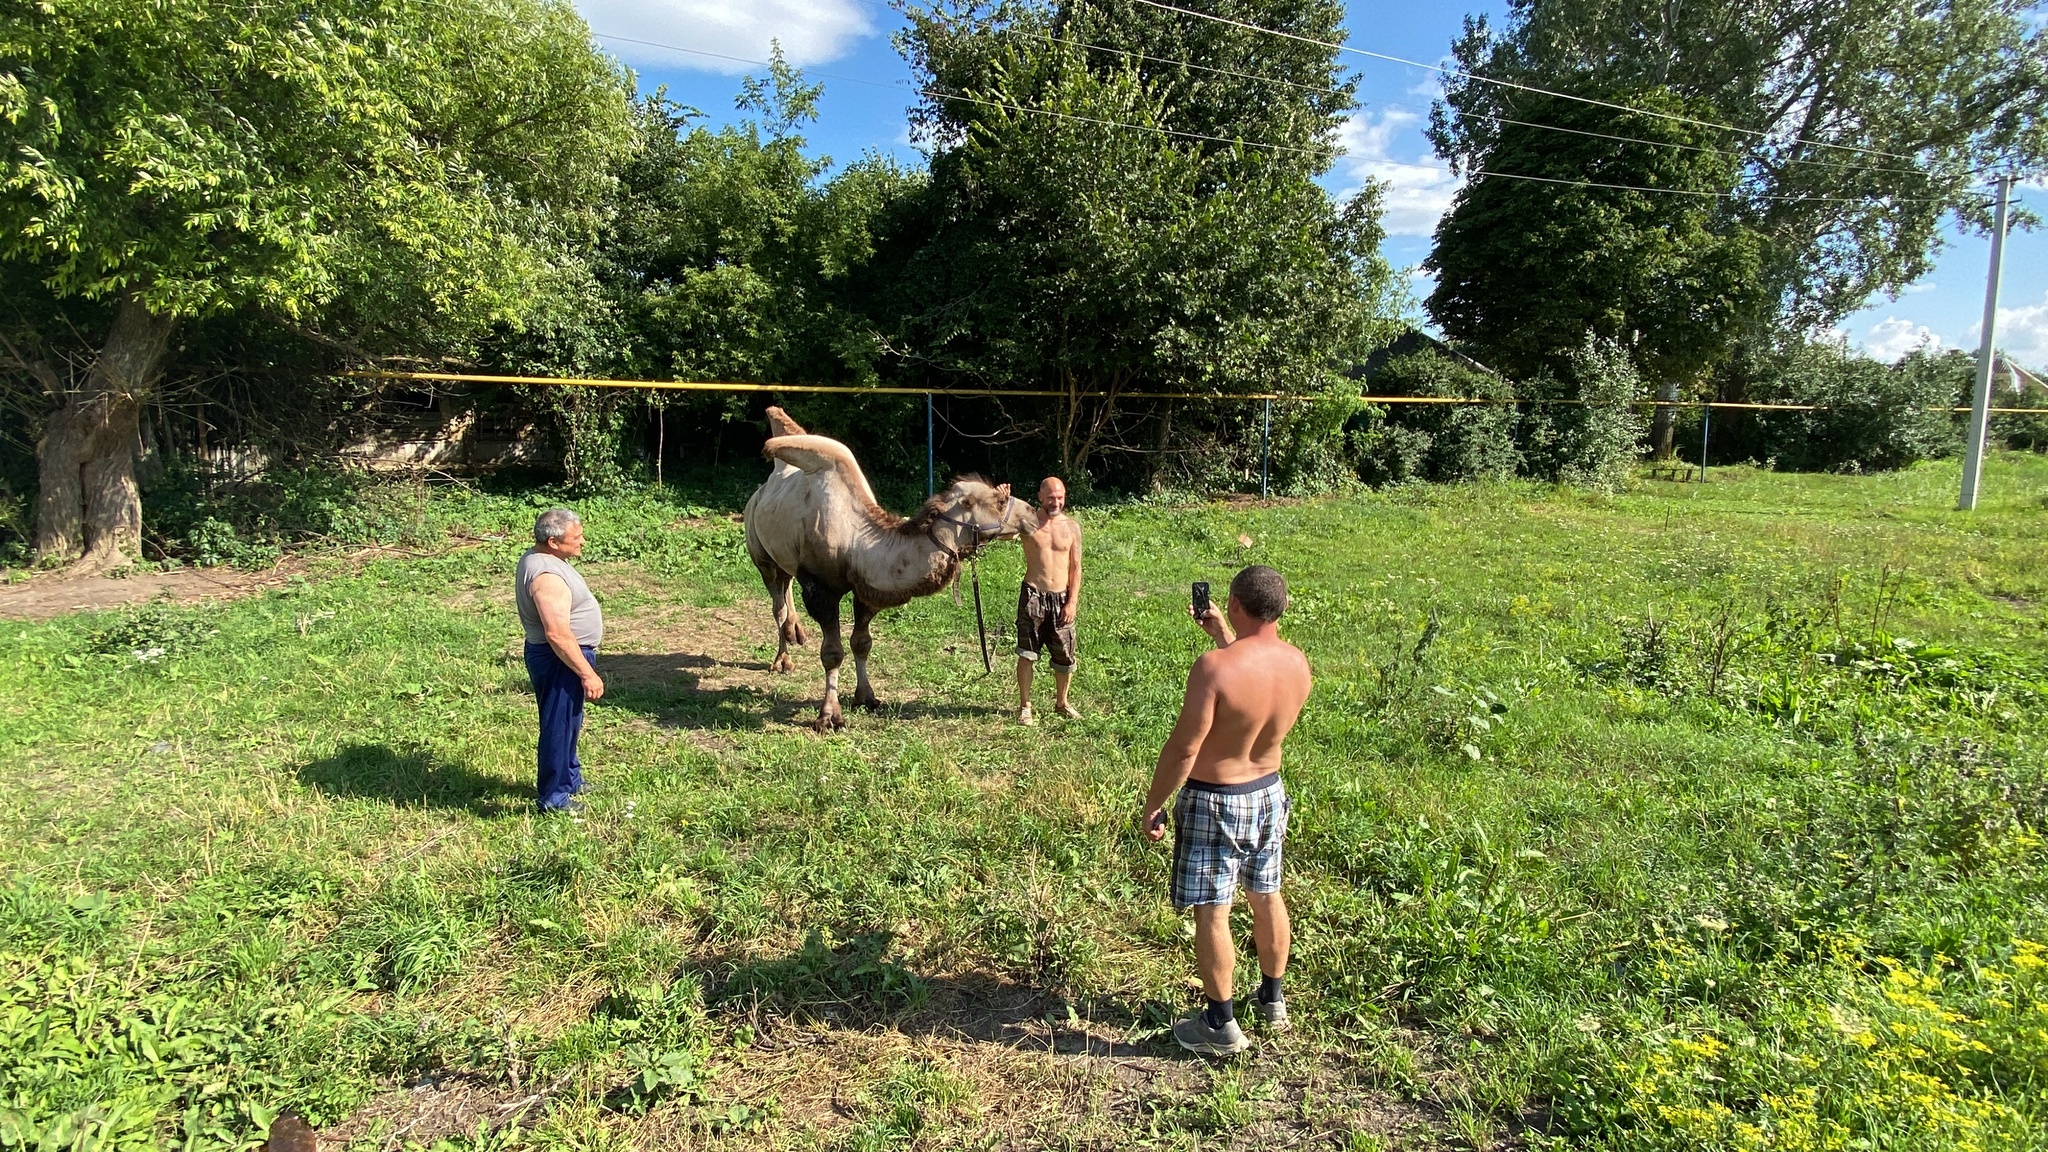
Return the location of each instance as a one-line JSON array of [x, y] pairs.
[[563, 629]]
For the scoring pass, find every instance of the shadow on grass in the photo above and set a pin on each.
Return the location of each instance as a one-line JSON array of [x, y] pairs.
[[412, 778], [852, 982], [670, 689]]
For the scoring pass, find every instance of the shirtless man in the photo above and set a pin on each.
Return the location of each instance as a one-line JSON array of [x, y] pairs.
[[1230, 820], [1046, 602]]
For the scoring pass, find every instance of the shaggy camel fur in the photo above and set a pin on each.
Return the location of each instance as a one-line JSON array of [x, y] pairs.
[[816, 522]]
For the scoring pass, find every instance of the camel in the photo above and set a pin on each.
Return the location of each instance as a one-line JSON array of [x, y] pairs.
[[816, 522]]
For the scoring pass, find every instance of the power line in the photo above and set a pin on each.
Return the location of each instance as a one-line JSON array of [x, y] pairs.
[[990, 24], [1464, 75], [1319, 152]]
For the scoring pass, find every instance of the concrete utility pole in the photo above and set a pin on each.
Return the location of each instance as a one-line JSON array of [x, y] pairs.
[[1980, 405]]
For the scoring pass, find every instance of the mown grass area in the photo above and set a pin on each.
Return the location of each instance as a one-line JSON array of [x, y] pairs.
[[1697, 817]]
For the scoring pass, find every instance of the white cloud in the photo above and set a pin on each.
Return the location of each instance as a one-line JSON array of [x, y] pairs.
[[1390, 147], [1894, 336], [1922, 286], [2023, 333], [810, 31]]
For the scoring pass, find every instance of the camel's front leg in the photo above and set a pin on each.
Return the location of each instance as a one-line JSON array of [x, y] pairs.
[[863, 643]]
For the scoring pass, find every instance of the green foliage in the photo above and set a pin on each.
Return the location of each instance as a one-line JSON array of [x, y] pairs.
[[198, 159], [1438, 442], [914, 1096], [212, 543], [1526, 269], [1874, 417], [2026, 432], [1898, 110], [677, 1074], [1054, 253], [1584, 428], [151, 633]]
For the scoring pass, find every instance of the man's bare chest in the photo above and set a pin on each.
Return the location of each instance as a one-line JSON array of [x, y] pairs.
[[1055, 539]]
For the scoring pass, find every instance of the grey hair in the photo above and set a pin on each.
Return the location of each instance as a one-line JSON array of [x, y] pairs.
[[554, 524]]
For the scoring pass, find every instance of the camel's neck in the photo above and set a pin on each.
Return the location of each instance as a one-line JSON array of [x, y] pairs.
[[890, 568]]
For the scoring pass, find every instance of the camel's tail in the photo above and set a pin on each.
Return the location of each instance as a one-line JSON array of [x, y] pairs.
[[779, 423], [808, 453]]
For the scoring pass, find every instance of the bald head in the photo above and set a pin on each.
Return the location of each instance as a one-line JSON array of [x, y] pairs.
[[1052, 496]]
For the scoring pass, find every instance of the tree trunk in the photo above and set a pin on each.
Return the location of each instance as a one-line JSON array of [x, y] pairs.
[[90, 504], [1660, 428]]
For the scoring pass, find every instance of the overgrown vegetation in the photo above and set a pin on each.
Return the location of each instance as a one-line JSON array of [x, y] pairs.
[[1704, 817]]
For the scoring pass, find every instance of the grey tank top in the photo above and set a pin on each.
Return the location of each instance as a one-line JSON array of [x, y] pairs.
[[586, 619]]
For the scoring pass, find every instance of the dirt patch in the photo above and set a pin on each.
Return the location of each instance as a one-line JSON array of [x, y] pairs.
[[49, 594], [1035, 1074], [431, 1110]]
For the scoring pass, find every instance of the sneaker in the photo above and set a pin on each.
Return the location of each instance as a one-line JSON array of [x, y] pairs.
[[1025, 717], [1273, 1015], [1070, 712], [574, 808], [1196, 1036]]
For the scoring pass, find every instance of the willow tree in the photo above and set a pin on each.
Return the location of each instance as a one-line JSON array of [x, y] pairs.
[[162, 160]]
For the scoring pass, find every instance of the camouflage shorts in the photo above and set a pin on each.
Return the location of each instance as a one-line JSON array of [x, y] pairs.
[[1039, 628]]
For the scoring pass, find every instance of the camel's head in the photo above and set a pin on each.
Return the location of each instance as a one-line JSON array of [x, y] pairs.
[[972, 512]]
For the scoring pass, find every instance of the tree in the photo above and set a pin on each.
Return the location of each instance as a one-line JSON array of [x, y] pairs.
[[1062, 250], [1526, 269], [162, 160], [1858, 124]]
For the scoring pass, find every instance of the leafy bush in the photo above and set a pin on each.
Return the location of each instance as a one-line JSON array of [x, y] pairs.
[[1309, 444], [1871, 417], [1443, 442], [1586, 429], [2024, 433], [151, 633], [212, 544]]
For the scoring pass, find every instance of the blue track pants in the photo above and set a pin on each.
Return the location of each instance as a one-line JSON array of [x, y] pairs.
[[560, 694]]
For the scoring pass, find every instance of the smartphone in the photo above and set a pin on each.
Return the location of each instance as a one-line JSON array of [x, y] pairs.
[[1159, 821], [1201, 599]]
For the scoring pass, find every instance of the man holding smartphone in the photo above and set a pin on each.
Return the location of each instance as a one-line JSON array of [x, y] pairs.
[[1231, 816]]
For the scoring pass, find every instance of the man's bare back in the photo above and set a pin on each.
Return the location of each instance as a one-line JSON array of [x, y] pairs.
[[1256, 686], [1242, 700], [1230, 822]]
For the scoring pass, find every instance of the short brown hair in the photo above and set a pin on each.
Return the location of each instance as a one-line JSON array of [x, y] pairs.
[[1260, 591]]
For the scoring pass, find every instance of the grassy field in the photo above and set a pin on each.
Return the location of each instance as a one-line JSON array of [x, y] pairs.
[[1697, 817]]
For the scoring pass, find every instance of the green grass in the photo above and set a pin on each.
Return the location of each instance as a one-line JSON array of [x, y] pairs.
[[1694, 817]]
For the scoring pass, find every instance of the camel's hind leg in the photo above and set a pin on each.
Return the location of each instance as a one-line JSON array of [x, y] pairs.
[[863, 643], [788, 629], [822, 603]]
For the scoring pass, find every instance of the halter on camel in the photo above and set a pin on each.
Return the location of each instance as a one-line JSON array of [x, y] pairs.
[[983, 533]]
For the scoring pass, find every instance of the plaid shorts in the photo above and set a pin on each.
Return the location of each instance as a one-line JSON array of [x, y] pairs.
[[1226, 835]]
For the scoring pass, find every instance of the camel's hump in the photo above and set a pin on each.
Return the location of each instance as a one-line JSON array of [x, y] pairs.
[[820, 454], [779, 423]]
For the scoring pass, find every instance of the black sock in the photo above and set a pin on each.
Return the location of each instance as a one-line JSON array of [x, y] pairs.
[[1269, 989], [1219, 1013]]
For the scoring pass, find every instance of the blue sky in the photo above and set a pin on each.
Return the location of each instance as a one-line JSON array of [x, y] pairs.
[[845, 44]]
